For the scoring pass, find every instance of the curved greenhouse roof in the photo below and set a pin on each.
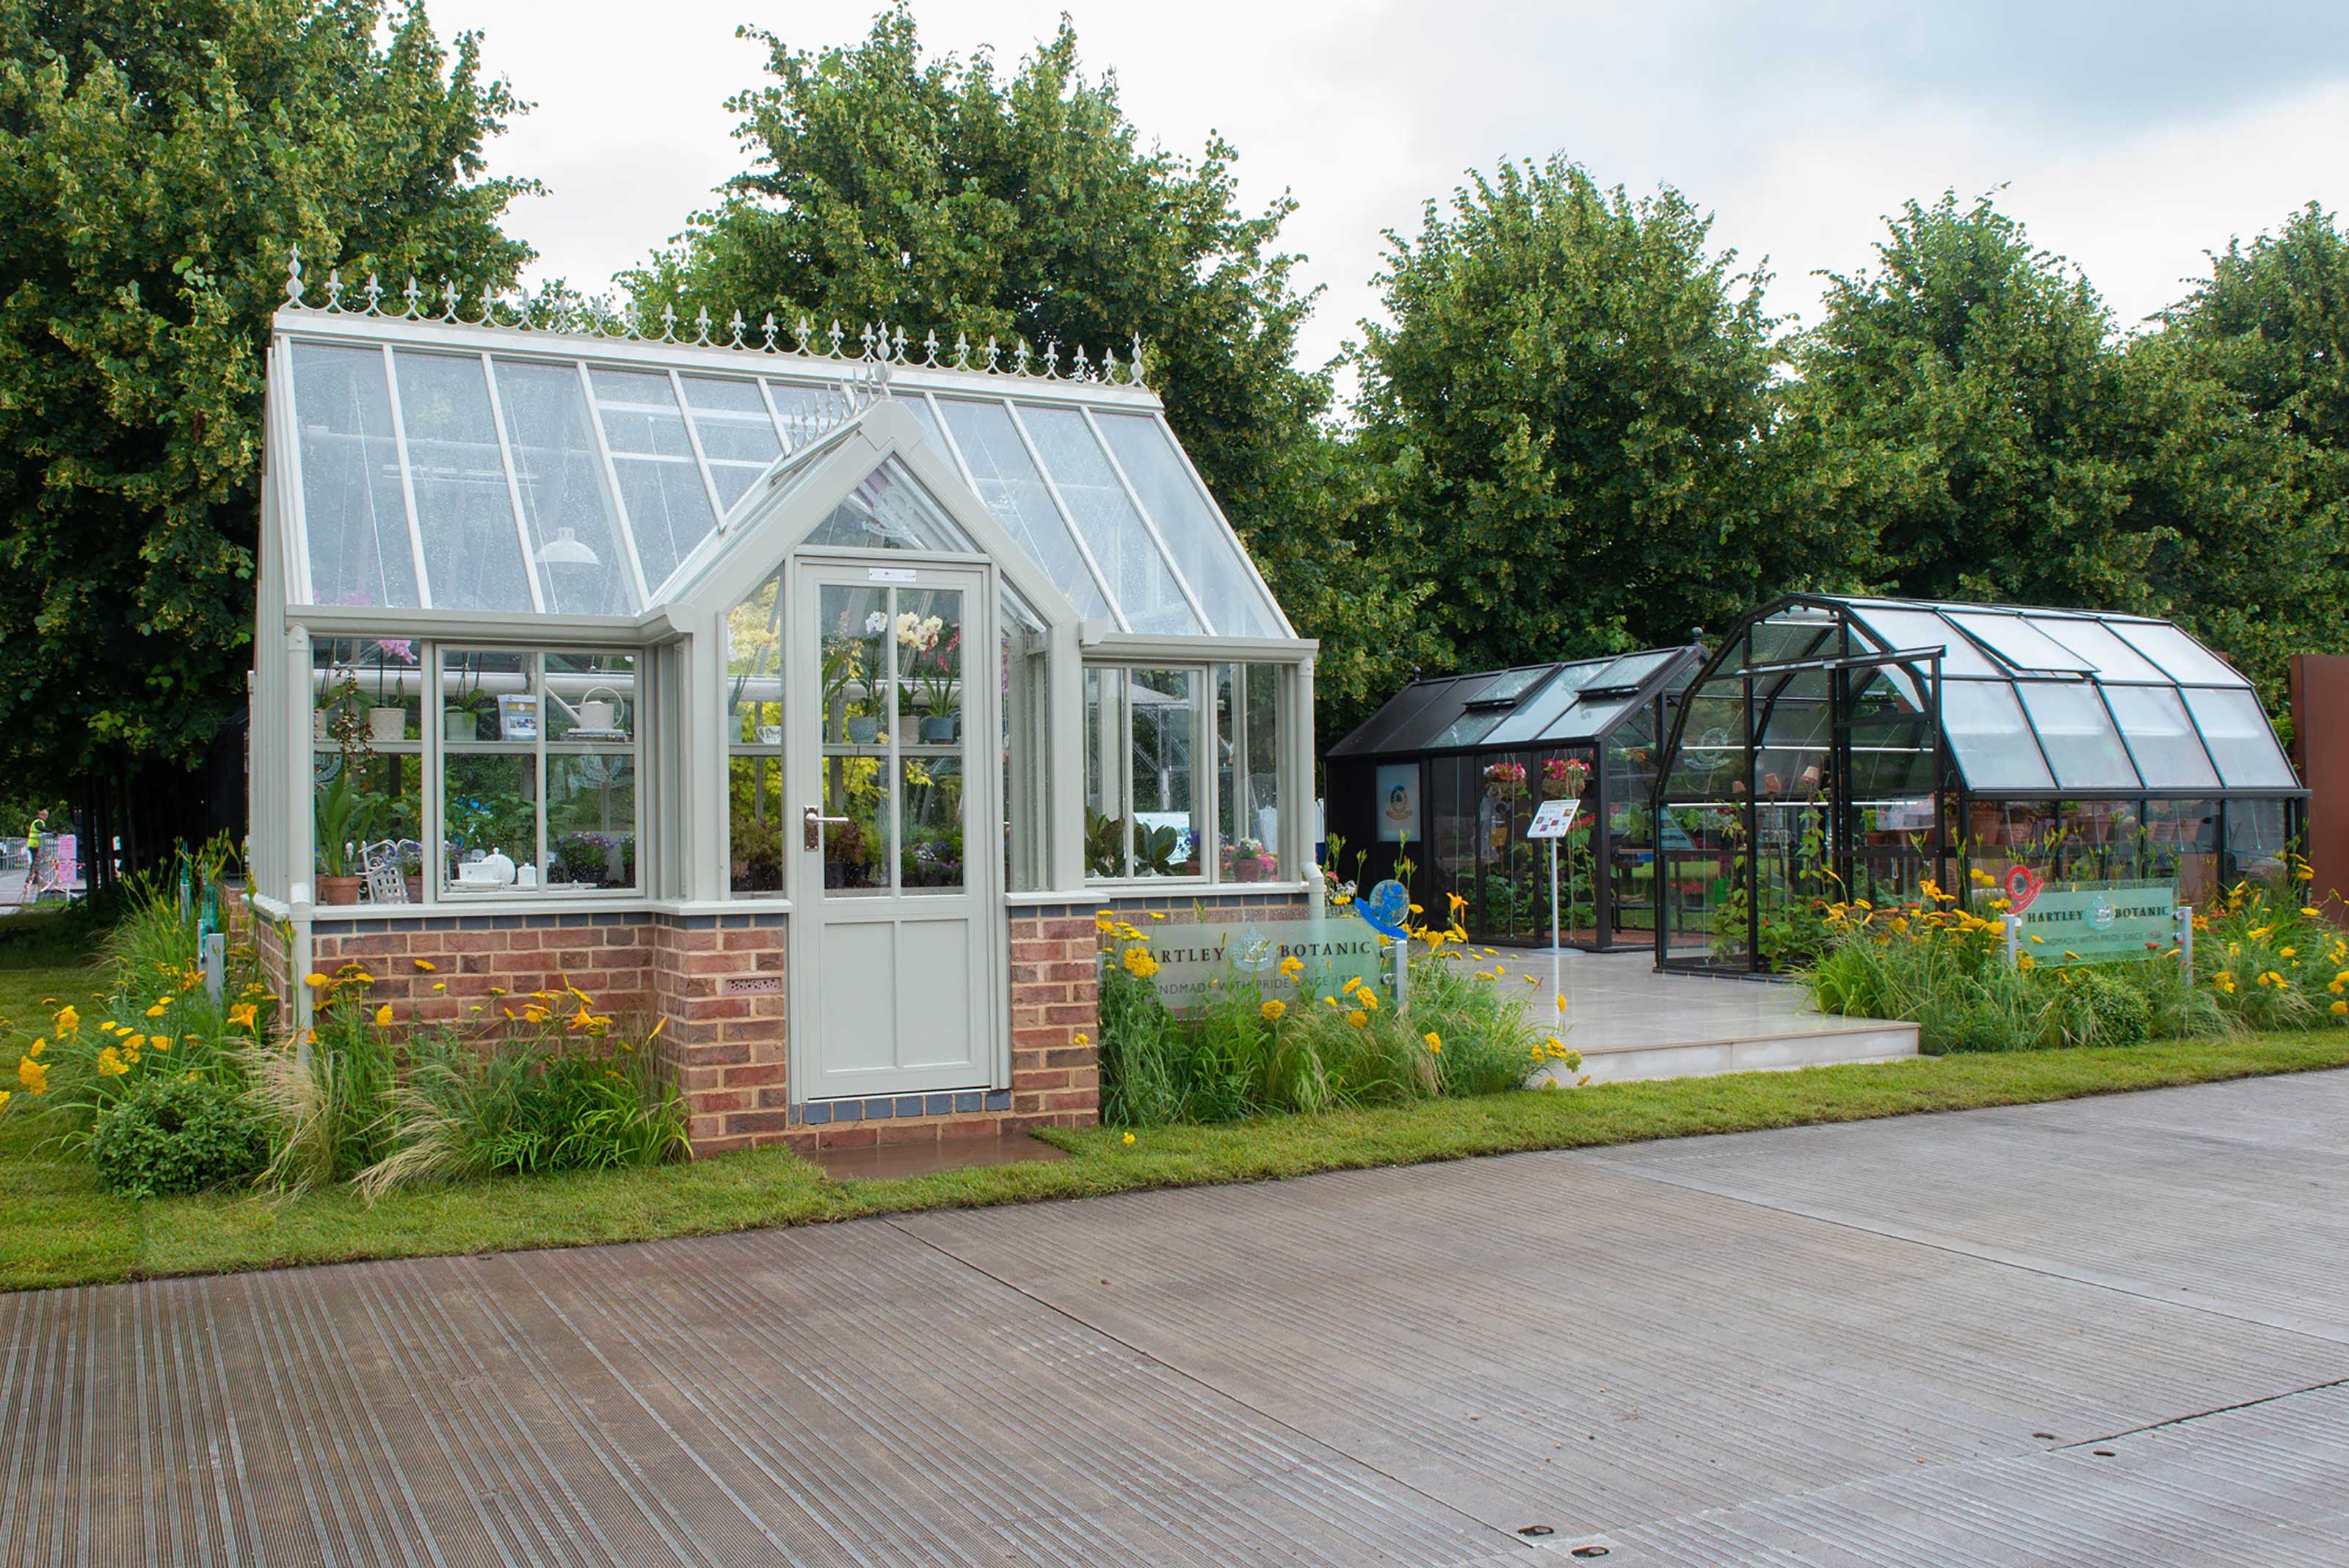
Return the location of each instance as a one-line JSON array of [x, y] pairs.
[[2032, 702], [513, 466]]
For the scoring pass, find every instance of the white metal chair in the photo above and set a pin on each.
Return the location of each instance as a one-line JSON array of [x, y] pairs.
[[379, 867]]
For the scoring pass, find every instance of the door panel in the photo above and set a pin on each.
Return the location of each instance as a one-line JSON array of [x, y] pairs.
[[897, 919]]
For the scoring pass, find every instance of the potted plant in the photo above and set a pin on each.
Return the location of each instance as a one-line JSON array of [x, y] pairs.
[[461, 715], [1248, 860], [938, 675], [387, 715], [343, 813], [1563, 778]]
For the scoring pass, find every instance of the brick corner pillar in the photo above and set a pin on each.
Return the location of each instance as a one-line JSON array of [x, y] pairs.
[[1055, 1020], [722, 982]]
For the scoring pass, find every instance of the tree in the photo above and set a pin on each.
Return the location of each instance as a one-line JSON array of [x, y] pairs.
[[156, 161], [1565, 416], [934, 193]]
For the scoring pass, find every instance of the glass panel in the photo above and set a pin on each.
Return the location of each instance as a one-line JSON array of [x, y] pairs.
[[1201, 544], [1512, 683], [2077, 735], [590, 699], [2182, 846], [1632, 670], [2256, 843], [1538, 711], [354, 518], [1014, 492], [737, 436], [368, 766], [2016, 641], [754, 736], [1984, 727], [1586, 718], [2241, 741], [591, 820], [1903, 629], [2112, 658], [927, 417], [1027, 748], [1167, 712], [930, 656], [1629, 844], [573, 534], [891, 511], [1113, 530], [1247, 778], [2153, 721], [2184, 660], [367, 689], [660, 485], [1465, 730], [472, 556], [2000, 835], [1106, 826], [489, 798], [857, 641], [2102, 841]]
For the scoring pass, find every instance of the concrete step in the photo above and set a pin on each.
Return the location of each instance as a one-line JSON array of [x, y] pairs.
[[1836, 1041]]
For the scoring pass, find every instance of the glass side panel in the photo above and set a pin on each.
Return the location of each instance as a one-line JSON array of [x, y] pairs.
[[660, 485], [355, 519], [1465, 730], [2181, 846], [574, 533], [1007, 482], [853, 734], [754, 730], [1792, 637], [1513, 683], [2257, 843], [1902, 629], [1247, 776], [2077, 734], [2016, 640], [1202, 546], [1633, 669], [2181, 658], [1541, 708], [1392, 726], [2112, 658], [2241, 741], [891, 511], [737, 436], [1113, 530], [590, 721], [1984, 726], [472, 556], [927, 418], [2153, 722]]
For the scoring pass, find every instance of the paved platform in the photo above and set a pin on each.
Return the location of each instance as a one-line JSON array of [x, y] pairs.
[[1630, 1021], [2108, 1331]]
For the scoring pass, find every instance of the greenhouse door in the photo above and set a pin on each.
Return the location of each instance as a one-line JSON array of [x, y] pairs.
[[896, 830]]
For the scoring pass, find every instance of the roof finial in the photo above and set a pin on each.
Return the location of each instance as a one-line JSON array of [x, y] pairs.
[[293, 277]]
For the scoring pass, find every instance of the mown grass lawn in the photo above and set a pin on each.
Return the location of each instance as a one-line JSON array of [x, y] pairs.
[[57, 1229]]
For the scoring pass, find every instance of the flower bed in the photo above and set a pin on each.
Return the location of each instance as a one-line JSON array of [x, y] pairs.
[[169, 1089], [1295, 1041], [2262, 959]]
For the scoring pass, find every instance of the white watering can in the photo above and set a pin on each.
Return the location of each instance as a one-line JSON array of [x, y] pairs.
[[594, 712]]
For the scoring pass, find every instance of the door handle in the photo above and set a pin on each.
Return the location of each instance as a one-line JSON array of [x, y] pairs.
[[813, 820]]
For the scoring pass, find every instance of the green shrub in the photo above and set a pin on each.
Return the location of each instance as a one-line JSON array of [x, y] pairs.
[[173, 1134], [2107, 1009]]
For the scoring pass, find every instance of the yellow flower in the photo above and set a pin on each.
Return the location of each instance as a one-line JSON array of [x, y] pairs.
[[1139, 963], [1291, 966], [1129, 1141], [427, 965], [2025, 962], [2287, 952], [1156, 916], [109, 1063], [383, 1016], [157, 1011], [1359, 1019], [1366, 1000], [3, 1099], [1561, 1001], [440, 985], [2341, 1010], [2312, 911], [243, 1014], [315, 980], [1273, 1010], [33, 1075], [1533, 980], [1434, 1041], [133, 1042]]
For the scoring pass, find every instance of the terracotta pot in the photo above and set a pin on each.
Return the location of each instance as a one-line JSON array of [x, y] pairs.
[[1247, 868], [339, 890]]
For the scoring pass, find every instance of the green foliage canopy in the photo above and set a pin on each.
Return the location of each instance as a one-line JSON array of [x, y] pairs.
[[156, 161]]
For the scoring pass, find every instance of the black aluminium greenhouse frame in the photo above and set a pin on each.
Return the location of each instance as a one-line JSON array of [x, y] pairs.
[[1845, 748], [1466, 835]]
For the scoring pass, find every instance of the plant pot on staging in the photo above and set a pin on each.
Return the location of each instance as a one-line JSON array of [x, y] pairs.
[[386, 724], [945, 728], [339, 890], [457, 723], [864, 731]]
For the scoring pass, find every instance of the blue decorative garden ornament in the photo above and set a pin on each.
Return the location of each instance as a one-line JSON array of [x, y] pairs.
[[1387, 909]]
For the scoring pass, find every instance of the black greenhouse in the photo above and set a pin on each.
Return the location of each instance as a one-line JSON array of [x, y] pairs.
[[1853, 748], [1439, 784]]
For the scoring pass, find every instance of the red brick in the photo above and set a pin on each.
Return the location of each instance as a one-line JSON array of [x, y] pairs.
[[1040, 1078], [1072, 1100], [756, 1122], [897, 1134], [711, 1147], [846, 1138], [752, 1076]]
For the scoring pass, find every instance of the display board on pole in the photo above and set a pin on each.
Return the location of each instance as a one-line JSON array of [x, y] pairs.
[[1553, 820]]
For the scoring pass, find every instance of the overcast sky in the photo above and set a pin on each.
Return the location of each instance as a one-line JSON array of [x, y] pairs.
[[2129, 137]]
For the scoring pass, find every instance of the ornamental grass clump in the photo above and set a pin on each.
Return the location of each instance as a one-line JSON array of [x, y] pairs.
[[1293, 1038]]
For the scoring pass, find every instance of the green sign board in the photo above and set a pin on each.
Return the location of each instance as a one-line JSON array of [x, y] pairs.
[[2099, 922], [1194, 959]]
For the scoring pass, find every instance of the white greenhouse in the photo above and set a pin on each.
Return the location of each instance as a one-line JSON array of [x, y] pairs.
[[589, 651]]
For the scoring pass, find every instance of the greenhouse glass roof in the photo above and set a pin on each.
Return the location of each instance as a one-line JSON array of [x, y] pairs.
[[495, 464], [1532, 705], [2036, 700]]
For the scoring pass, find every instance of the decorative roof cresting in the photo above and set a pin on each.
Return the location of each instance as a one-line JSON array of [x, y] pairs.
[[876, 345]]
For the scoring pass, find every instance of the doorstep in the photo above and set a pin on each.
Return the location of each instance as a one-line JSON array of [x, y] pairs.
[[891, 1162]]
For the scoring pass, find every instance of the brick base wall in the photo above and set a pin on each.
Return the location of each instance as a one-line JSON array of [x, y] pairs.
[[474, 957]]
